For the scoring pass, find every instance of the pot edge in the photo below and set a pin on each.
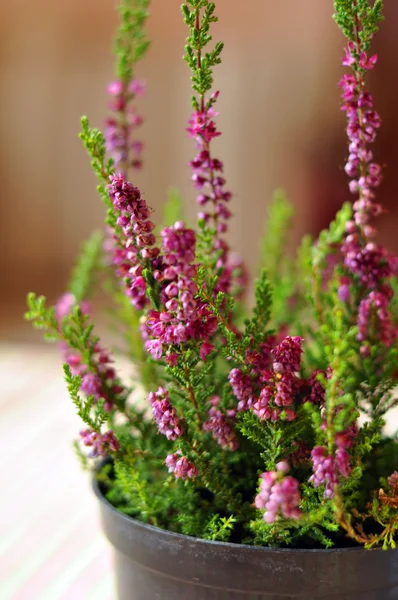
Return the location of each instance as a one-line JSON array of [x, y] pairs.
[[211, 543]]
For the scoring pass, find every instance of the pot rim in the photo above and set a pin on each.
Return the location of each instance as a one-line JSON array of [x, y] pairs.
[[211, 543]]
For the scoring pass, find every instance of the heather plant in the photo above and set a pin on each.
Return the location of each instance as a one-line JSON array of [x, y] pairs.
[[260, 425]]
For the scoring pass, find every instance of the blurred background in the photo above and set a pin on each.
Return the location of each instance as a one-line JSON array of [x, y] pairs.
[[282, 127], [279, 113]]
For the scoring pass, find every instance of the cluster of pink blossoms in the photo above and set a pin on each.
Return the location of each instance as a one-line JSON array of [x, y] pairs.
[[136, 249], [279, 494], [376, 308], [220, 426], [180, 466], [185, 317], [165, 414], [119, 129], [213, 198], [101, 443], [278, 382], [371, 263], [326, 468], [99, 379]]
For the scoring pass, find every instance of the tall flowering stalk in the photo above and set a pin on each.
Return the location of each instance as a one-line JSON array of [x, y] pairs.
[[131, 45], [121, 144], [246, 426], [365, 260], [207, 171]]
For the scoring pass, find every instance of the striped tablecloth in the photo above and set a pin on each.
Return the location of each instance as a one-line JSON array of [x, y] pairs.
[[51, 546]]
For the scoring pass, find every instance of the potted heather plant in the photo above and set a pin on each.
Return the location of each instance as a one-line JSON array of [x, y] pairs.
[[247, 457]]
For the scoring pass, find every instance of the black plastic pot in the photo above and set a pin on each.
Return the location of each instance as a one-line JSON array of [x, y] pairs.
[[153, 564]]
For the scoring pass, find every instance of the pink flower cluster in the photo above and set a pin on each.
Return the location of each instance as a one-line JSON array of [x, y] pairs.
[[327, 467], [374, 319], [136, 249], [279, 494], [165, 414], [281, 382], [220, 426], [316, 390], [180, 466], [207, 176], [101, 443], [393, 483], [369, 262], [185, 318], [287, 355], [363, 122], [99, 379], [242, 387], [119, 129], [100, 382]]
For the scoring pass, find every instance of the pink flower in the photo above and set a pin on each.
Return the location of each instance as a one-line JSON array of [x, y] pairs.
[[180, 466], [165, 414], [349, 59], [115, 88], [137, 87], [367, 63], [205, 349], [221, 427], [101, 443], [279, 494]]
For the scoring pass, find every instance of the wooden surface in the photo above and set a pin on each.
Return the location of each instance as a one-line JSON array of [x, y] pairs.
[[51, 546]]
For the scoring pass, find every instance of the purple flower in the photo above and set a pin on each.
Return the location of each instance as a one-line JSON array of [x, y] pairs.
[[393, 483], [208, 179], [242, 388], [99, 378], [287, 355], [261, 407], [101, 443], [180, 466], [326, 467], [220, 427], [185, 318], [374, 318], [317, 391], [279, 494], [119, 130], [324, 471], [165, 414], [135, 249]]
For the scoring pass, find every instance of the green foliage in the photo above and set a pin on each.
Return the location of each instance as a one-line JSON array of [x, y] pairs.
[[92, 413], [316, 528], [273, 258], [219, 529], [131, 43], [84, 273], [94, 142], [125, 321], [359, 20], [174, 208], [273, 242], [256, 326], [199, 19], [41, 316]]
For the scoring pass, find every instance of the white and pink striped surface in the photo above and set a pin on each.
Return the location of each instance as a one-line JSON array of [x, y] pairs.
[[51, 546]]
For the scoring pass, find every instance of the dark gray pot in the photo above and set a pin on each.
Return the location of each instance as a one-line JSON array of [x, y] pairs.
[[153, 564]]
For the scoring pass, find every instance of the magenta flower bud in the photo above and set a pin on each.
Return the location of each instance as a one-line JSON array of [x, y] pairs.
[[282, 466]]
